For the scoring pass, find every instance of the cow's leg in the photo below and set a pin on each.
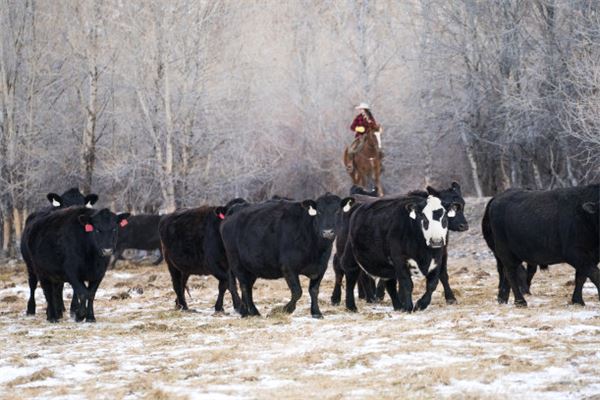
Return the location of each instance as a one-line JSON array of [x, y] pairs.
[[57, 291], [233, 291], [351, 278], [247, 299], [74, 305], [432, 282], [116, 257], [336, 295], [93, 287], [406, 288], [369, 287], [176, 279], [380, 290], [531, 270], [79, 290], [47, 287], [580, 277], [60, 302], [448, 293], [293, 282], [594, 274], [510, 271], [160, 258], [503, 286], [390, 286], [33, 281], [222, 289], [313, 290], [522, 279]]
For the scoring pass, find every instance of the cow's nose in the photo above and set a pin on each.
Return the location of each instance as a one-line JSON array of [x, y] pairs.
[[463, 227], [436, 243], [107, 252], [328, 233]]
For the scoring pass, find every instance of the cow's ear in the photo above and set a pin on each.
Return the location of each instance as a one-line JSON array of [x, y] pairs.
[[220, 212], [84, 219], [412, 208], [456, 187], [347, 203], [54, 199], [590, 207], [310, 206], [90, 200], [431, 191]]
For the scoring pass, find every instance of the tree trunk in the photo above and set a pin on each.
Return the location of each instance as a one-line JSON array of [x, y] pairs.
[[89, 131], [472, 163]]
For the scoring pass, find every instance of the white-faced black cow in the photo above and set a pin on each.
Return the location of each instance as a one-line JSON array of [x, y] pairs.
[[141, 233], [454, 204], [192, 245], [71, 197], [72, 245], [543, 228], [282, 239], [393, 239]]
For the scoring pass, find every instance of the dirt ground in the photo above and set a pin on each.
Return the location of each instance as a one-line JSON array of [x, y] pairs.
[[142, 348]]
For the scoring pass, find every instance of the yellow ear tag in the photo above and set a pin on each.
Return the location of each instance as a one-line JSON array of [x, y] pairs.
[[359, 129]]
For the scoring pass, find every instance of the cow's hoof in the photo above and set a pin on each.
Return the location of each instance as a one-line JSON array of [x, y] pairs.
[[90, 319], [317, 316], [521, 303], [420, 306], [451, 301], [578, 303], [335, 302], [502, 300], [52, 320], [30, 313], [352, 309]]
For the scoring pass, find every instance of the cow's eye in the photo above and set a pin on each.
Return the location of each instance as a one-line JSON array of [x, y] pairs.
[[457, 206]]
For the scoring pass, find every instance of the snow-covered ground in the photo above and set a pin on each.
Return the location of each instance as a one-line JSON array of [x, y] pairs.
[[142, 348]]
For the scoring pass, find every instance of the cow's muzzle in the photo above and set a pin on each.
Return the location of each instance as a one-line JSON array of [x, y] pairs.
[[106, 252], [328, 233], [436, 243]]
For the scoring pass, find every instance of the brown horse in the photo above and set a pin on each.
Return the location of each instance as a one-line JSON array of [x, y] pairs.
[[367, 162]]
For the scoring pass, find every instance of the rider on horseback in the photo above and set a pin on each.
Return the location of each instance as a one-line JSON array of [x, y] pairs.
[[363, 123]]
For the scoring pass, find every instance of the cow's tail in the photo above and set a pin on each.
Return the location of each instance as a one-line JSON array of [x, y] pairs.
[[486, 228]]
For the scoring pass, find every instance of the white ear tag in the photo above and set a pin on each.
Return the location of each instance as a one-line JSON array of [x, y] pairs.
[[347, 207], [451, 213], [55, 203], [89, 205], [413, 214], [311, 211]]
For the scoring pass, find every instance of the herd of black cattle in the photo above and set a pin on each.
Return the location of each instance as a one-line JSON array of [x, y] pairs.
[[391, 238]]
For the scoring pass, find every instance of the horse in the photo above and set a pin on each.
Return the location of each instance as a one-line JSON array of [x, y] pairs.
[[367, 161]]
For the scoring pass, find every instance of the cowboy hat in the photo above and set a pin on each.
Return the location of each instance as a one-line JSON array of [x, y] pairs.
[[362, 106]]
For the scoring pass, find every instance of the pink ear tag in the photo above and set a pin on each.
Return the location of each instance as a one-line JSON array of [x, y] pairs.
[[123, 223], [221, 216], [89, 228]]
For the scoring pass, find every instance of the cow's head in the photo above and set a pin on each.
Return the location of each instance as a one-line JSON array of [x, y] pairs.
[[592, 211], [323, 213], [432, 218], [102, 228], [454, 204], [72, 197], [230, 207]]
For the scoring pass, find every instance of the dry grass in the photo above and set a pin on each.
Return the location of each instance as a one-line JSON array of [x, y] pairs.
[[142, 348]]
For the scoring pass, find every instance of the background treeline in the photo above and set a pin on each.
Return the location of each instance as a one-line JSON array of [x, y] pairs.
[[157, 105]]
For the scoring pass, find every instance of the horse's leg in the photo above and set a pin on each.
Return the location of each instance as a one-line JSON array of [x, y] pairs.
[[377, 174]]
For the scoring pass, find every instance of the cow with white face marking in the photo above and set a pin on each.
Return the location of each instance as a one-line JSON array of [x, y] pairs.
[[394, 239], [72, 197]]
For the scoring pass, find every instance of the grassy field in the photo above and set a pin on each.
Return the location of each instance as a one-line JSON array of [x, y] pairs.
[[142, 348]]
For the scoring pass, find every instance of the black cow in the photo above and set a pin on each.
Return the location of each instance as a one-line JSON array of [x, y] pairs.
[[452, 201], [543, 228], [282, 239], [192, 245], [71, 197], [72, 245], [394, 238], [141, 233]]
